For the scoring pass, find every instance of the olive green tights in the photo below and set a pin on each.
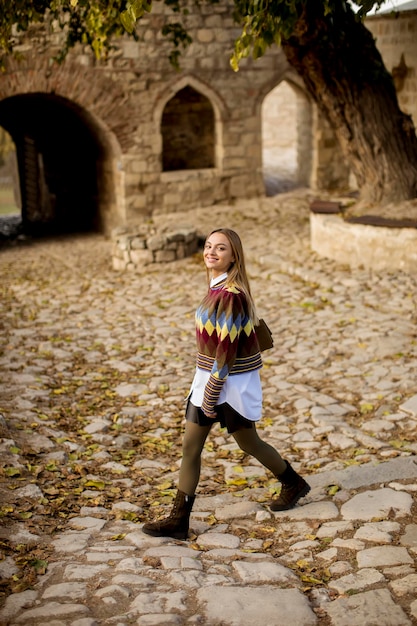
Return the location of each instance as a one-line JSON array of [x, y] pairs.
[[247, 439]]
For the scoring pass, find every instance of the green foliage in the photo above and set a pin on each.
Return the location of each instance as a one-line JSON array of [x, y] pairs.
[[96, 22], [267, 22], [365, 6], [20, 13], [134, 11], [91, 22], [175, 32], [178, 36], [264, 22]]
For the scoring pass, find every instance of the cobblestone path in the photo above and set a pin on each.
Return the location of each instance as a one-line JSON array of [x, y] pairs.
[[94, 369]]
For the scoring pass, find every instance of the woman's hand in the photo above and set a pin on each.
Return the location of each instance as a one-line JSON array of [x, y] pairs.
[[211, 416]]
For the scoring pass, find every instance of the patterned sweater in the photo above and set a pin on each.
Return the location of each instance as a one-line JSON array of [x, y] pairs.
[[226, 340]]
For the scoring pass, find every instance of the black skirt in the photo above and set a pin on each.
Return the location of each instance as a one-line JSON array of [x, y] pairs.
[[226, 416]]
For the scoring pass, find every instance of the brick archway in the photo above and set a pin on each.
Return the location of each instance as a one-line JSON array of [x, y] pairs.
[[70, 130]]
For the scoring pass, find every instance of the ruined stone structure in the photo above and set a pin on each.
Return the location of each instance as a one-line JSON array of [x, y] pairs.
[[104, 144], [133, 251]]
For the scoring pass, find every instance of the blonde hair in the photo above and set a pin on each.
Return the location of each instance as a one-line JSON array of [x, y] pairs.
[[236, 274]]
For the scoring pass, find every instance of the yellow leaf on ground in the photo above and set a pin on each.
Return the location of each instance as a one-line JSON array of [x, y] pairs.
[[12, 471], [238, 482], [98, 484], [25, 515], [117, 537]]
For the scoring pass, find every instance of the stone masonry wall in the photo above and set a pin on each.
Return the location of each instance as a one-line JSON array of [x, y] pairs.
[[122, 101], [361, 245], [236, 99], [396, 39], [135, 250], [143, 81]]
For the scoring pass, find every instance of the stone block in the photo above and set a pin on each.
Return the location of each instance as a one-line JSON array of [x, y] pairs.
[[138, 243], [130, 49], [165, 256], [370, 607], [235, 163], [118, 264], [156, 242], [172, 199], [117, 253], [410, 406], [122, 243], [205, 35], [208, 64], [138, 167], [141, 257], [215, 22], [174, 237]]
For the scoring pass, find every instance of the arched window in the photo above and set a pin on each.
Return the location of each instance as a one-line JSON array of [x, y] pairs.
[[188, 132]]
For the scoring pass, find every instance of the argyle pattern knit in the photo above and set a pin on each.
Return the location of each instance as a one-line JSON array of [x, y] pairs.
[[226, 340]]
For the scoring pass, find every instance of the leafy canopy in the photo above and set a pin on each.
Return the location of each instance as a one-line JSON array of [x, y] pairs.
[[91, 22], [96, 22], [267, 22]]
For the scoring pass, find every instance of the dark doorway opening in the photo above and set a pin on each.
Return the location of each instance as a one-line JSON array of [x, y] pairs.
[[188, 132], [57, 155]]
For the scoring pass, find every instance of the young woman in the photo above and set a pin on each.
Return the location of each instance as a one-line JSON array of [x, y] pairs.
[[226, 386]]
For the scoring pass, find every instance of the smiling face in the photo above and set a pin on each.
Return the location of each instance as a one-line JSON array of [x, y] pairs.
[[218, 254]]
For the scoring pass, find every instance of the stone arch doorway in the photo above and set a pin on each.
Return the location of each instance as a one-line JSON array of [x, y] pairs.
[[66, 164], [215, 111], [287, 130], [188, 131]]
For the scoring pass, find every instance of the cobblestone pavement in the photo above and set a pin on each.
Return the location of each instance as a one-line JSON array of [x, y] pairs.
[[95, 366]]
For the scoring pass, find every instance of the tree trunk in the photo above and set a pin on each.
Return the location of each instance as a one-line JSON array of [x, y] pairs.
[[344, 73]]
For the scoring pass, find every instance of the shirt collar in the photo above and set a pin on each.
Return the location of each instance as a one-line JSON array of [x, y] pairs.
[[218, 279]]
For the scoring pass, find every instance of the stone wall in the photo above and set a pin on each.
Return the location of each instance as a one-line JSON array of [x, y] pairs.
[[134, 249], [361, 245], [396, 39], [124, 104]]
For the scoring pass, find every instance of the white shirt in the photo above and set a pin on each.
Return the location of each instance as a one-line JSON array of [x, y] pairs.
[[242, 391], [218, 279]]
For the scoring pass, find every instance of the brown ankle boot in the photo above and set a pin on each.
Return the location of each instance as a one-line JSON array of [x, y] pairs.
[[293, 487], [177, 523]]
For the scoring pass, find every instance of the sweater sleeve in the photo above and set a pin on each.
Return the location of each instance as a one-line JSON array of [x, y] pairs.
[[229, 319]]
